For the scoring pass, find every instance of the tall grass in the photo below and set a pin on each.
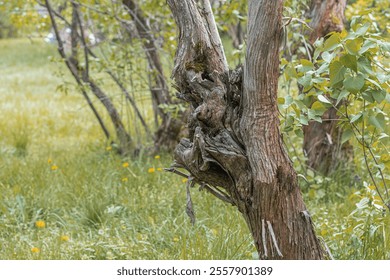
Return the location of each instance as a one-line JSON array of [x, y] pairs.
[[64, 193]]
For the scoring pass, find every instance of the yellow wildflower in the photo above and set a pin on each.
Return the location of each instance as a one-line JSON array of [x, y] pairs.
[[125, 164], [35, 250], [54, 167], [40, 224], [125, 179], [109, 148], [159, 169], [157, 157], [64, 238], [49, 160], [184, 180], [151, 170], [176, 239]]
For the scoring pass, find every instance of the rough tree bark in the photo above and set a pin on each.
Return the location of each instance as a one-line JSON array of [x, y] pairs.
[[322, 140], [235, 149]]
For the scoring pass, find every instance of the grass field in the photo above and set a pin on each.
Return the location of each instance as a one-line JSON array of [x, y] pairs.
[[64, 194]]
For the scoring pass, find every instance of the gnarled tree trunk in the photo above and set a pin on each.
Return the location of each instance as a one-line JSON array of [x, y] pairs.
[[235, 149], [322, 141]]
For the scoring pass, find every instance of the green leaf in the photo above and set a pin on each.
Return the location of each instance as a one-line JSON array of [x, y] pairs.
[[378, 121], [366, 46], [356, 117], [332, 42], [281, 100], [288, 100], [303, 120], [379, 95], [383, 78], [364, 65], [318, 108], [354, 83], [305, 66], [289, 121], [353, 46], [349, 61], [362, 30], [290, 72], [367, 95], [385, 46], [305, 81], [374, 95], [343, 94], [374, 83], [336, 72], [347, 134], [328, 57], [323, 68], [323, 99], [298, 132]]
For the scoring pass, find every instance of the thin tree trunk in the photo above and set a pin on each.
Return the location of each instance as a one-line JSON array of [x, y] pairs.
[[73, 69], [321, 142], [82, 77], [235, 148], [168, 131]]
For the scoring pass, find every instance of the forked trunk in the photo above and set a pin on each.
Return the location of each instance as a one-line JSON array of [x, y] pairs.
[[235, 150]]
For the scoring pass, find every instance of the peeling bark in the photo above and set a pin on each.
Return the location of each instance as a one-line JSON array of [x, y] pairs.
[[235, 149], [321, 142]]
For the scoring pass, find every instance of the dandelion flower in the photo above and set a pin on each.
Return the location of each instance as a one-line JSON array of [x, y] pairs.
[[54, 167], [64, 238], [125, 179], [176, 239], [109, 148], [125, 164], [159, 169], [151, 170], [184, 180], [35, 250], [49, 160], [40, 224], [157, 157]]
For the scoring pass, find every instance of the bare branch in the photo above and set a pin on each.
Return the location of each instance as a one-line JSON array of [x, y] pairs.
[[73, 69]]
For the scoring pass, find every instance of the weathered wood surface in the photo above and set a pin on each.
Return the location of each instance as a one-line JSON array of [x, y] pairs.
[[235, 148]]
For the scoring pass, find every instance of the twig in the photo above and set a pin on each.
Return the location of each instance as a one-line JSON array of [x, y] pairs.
[[290, 19], [364, 146], [219, 194], [175, 171], [326, 248], [366, 161], [189, 207]]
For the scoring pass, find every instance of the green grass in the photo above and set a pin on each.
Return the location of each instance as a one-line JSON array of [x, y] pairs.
[[56, 167]]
